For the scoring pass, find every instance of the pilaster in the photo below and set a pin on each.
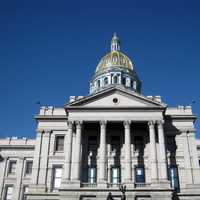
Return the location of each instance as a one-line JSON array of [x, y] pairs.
[[77, 155], [68, 153], [44, 158]]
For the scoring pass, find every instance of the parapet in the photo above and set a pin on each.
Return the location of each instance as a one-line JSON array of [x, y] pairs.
[[15, 141], [51, 110], [180, 110]]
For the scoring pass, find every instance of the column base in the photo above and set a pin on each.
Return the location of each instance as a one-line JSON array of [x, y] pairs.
[[165, 184], [65, 183], [129, 184], [102, 184], [75, 184], [191, 188], [161, 184], [40, 188]]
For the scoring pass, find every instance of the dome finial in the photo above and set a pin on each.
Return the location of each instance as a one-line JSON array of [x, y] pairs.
[[115, 43]]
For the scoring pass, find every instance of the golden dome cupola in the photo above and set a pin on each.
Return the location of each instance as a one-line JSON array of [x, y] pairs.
[[115, 68]]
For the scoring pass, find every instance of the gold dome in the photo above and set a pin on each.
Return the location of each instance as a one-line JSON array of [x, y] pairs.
[[114, 59]]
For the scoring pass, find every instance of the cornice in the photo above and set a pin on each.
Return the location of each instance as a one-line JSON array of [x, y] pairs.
[[10, 146], [113, 109], [50, 117], [180, 117]]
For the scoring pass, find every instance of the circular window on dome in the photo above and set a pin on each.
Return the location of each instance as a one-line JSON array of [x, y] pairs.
[[115, 100]]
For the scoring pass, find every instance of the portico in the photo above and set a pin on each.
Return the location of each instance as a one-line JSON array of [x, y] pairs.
[[107, 153]]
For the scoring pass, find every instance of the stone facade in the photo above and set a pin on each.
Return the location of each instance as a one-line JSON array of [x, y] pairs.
[[94, 144]]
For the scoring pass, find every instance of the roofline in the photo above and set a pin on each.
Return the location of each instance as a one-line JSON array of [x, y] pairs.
[[181, 117], [10, 146], [115, 109], [115, 87], [63, 117]]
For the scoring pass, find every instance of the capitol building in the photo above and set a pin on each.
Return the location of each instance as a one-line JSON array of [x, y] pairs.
[[115, 137]]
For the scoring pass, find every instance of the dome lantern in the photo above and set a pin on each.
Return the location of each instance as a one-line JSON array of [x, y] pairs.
[[115, 43]]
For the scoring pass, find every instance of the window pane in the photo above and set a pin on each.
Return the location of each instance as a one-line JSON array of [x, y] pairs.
[[174, 178], [57, 182], [139, 175], [58, 172], [105, 81], [9, 192], [25, 191], [59, 143], [57, 177], [12, 167], [115, 79], [115, 175], [91, 175], [29, 165]]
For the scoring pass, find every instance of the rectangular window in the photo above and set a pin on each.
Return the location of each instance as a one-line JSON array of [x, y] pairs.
[[9, 193], [29, 166], [57, 175], [12, 167], [92, 175], [173, 173], [115, 175], [59, 145], [139, 175], [25, 191]]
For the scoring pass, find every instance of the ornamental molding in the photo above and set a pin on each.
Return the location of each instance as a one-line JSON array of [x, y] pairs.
[[127, 124]]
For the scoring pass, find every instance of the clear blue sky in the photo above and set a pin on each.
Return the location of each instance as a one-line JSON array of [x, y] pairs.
[[49, 50]]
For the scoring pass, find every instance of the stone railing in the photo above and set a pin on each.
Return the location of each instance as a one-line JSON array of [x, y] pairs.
[[117, 185], [142, 185], [89, 185]]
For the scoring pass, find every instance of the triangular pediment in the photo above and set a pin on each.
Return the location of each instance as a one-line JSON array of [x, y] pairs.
[[115, 97]]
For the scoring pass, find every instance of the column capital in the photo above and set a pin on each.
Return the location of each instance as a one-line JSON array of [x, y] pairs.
[[103, 123], [79, 124], [151, 123], [160, 123], [70, 124], [47, 131], [39, 131], [127, 123]]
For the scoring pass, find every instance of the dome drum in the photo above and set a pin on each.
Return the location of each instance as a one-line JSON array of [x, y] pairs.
[[116, 77]]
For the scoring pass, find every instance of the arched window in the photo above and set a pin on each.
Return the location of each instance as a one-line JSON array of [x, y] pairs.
[[131, 83], [105, 80], [124, 81], [98, 83], [115, 80]]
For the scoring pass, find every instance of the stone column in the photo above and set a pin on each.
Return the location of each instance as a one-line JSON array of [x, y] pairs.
[[162, 148], [77, 155], [68, 152], [18, 186], [102, 153], [153, 153], [127, 141]]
